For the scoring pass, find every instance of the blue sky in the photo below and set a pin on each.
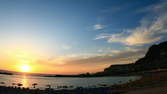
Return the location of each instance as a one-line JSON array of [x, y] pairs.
[[60, 28]]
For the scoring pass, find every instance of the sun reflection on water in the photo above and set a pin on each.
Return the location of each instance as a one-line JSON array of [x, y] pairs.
[[24, 81]]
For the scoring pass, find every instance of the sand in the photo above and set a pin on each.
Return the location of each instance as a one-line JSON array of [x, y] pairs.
[[155, 90]]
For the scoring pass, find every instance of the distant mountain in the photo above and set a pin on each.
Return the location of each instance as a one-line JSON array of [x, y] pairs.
[[6, 72], [155, 58]]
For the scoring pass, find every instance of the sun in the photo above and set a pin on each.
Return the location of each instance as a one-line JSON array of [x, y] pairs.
[[24, 68]]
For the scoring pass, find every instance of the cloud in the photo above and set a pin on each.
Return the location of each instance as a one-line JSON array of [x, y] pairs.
[[114, 57], [82, 63], [155, 8], [126, 50], [98, 27], [149, 31]]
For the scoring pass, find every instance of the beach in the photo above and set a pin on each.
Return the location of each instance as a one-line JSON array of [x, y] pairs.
[[155, 90], [153, 83]]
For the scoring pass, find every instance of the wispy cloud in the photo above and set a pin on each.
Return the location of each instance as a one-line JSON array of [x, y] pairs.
[[100, 61], [149, 31], [98, 27], [155, 8], [126, 50]]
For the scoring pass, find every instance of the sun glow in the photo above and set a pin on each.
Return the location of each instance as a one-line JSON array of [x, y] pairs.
[[24, 68]]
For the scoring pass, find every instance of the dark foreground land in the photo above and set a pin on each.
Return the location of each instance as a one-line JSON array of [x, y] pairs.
[[150, 83], [10, 90]]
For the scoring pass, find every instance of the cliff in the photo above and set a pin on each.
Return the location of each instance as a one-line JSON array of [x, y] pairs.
[[155, 58]]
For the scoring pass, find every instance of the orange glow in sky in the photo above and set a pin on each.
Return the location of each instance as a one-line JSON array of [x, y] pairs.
[[28, 62]]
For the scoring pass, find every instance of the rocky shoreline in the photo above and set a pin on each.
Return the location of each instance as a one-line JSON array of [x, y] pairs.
[[12, 90]]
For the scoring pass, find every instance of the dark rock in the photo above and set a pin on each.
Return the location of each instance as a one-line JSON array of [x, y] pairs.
[[155, 58]]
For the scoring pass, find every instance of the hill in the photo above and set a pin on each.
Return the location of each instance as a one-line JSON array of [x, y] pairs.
[[155, 59]]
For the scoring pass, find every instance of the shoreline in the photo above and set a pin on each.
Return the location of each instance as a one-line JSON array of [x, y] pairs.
[[150, 81], [153, 83], [79, 90]]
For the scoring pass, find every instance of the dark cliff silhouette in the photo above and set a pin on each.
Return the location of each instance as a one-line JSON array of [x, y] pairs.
[[155, 59]]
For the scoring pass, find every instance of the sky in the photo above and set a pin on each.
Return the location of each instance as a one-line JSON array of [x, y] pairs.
[[78, 36]]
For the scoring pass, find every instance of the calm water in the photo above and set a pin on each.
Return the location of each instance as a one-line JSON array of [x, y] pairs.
[[27, 81]]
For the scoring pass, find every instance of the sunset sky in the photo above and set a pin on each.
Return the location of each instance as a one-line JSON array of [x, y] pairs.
[[77, 36]]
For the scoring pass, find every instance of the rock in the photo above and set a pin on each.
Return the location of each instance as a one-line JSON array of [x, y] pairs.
[[155, 58]]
